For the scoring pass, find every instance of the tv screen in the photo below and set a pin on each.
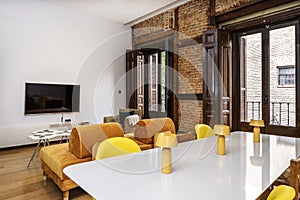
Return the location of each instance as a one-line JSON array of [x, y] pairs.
[[50, 98]]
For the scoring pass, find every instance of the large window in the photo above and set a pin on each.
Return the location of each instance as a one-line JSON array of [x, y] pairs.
[[268, 61]]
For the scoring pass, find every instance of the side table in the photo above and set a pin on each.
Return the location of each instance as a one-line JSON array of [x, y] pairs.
[[43, 137]]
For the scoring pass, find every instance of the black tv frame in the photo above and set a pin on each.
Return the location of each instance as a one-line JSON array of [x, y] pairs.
[[43, 98]]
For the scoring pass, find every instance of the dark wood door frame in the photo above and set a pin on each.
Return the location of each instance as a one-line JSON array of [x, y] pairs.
[[146, 48]]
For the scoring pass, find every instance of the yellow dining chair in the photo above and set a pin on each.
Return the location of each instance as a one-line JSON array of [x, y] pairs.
[[282, 192], [203, 131], [116, 146]]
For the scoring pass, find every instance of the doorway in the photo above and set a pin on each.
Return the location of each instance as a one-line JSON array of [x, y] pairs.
[[267, 64], [151, 79], [153, 82]]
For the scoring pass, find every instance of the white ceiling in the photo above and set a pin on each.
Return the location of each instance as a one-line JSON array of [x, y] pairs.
[[121, 11]]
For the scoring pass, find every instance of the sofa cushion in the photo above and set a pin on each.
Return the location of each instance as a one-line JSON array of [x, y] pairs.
[[58, 156], [83, 138], [146, 129], [123, 113]]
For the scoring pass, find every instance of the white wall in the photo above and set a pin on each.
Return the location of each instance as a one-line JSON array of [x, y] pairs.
[[44, 42]]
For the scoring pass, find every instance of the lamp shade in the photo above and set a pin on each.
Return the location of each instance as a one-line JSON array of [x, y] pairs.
[[220, 129], [257, 123], [166, 139]]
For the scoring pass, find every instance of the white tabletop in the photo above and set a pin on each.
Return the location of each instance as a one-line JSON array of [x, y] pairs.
[[244, 172]]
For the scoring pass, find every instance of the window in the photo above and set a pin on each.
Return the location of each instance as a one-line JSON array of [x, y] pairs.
[[286, 75]]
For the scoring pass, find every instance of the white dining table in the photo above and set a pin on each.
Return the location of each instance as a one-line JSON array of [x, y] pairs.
[[245, 171]]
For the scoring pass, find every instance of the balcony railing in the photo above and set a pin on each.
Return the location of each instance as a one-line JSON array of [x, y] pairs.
[[281, 113]]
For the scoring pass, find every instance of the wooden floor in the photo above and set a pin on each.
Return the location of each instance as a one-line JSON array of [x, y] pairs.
[[17, 181]]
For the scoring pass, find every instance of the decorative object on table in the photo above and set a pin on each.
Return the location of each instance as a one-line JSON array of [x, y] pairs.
[[166, 140], [221, 131], [203, 131], [256, 130], [282, 192]]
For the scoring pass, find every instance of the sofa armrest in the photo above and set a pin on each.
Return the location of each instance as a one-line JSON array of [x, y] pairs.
[[82, 138]]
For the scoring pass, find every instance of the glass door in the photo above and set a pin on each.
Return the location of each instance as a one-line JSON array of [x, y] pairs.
[[267, 60], [157, 84], [282, 77], [251, 77], [154, 83]]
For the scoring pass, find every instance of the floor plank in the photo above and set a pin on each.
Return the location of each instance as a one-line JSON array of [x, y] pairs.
[[19, 182]]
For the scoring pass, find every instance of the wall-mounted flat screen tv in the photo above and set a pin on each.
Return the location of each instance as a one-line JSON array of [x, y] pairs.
[[51, 98]]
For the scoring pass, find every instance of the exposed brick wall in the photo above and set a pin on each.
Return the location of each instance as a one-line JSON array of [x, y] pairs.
[[228, 5], [152, 25], [192, 21], [193, 18], [190, 114], [190, 70]]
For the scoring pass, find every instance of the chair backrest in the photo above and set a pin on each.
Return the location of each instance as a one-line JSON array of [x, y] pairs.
[[116, 146], [203, 131], [282, 192]]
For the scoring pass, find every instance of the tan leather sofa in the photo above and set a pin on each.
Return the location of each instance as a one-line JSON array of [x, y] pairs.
[[146, 129], [84, 141], [55, 158]]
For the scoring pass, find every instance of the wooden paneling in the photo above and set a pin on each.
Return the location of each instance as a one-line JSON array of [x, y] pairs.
[[131, 82], [211, 106], [217, 77], [225, 64]]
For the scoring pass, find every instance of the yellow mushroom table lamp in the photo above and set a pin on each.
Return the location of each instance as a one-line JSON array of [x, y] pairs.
[[166, 140], [256, 130], [221, 131]]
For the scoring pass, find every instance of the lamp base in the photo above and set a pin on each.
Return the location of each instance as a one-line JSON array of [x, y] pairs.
[[256, 134], [166, 161], [221, 145]]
